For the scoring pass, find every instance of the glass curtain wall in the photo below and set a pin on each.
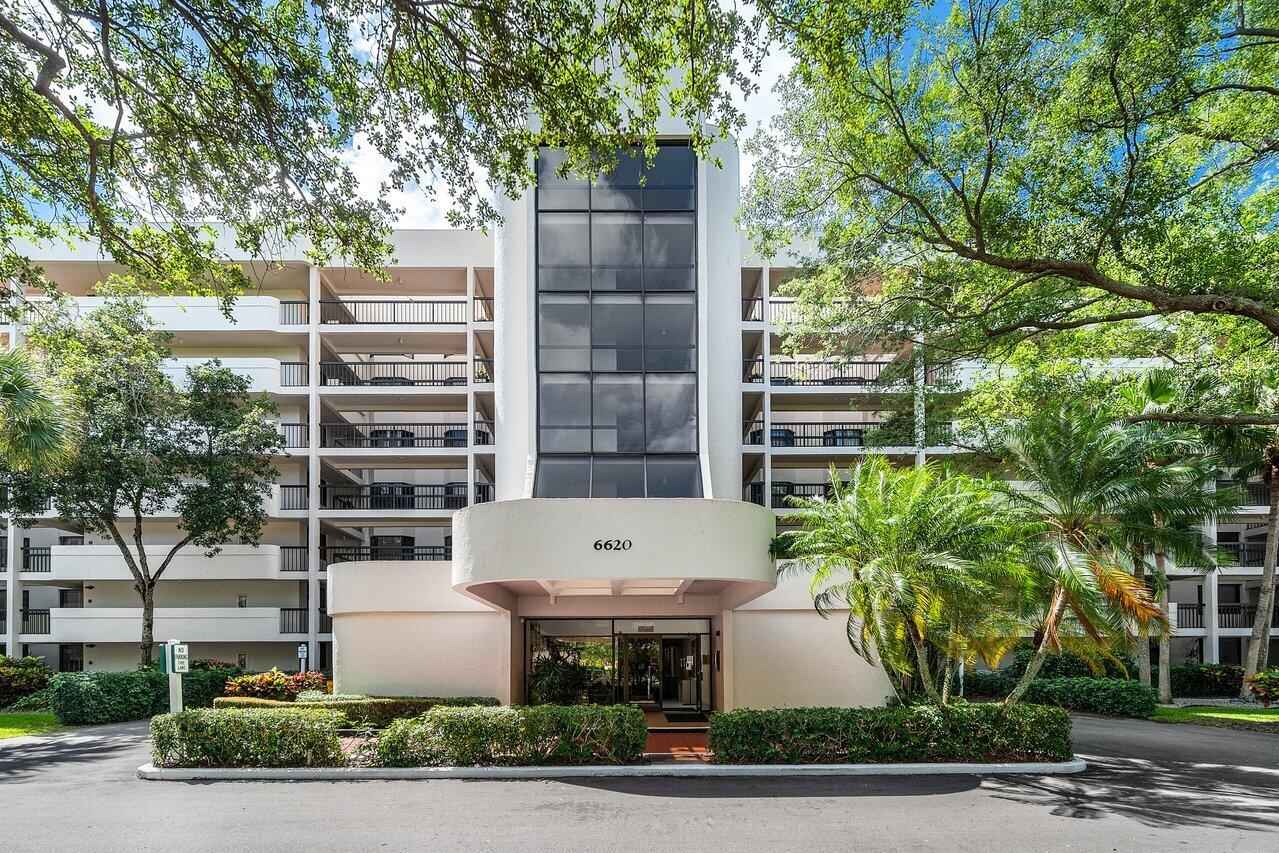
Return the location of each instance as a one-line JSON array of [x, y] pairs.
[[617, 328]]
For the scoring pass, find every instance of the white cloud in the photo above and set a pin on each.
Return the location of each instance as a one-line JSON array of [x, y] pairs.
[[415, 207], [764, 104]]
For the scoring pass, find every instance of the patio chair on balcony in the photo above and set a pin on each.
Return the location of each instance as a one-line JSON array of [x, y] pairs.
[[843, 437]]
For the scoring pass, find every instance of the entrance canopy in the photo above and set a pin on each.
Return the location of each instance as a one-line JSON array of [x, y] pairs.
[[616, 556]]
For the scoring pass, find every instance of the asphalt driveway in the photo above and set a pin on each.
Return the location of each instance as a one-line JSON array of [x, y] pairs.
[[1150, 786]]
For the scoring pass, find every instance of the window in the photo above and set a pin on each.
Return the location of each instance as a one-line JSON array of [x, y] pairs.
[[241, 601], [241, 661], [617, 328]]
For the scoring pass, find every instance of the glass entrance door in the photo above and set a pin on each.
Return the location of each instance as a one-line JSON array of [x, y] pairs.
[[681, 672], [640, 665]]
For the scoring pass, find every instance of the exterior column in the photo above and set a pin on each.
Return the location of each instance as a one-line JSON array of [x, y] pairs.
[[13, 553], [470, 386], [1211, 652], [313, 470]]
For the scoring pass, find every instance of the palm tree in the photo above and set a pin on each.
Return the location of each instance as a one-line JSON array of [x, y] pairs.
[[1080, 474], [921, 558], [34, 430]]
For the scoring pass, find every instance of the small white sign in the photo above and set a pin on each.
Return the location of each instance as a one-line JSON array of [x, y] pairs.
[[180, 651], [302, 651], [181, 665]]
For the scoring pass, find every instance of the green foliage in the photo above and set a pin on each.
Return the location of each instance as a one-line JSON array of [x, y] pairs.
[[961, 732], [1264, 685], [531, 736], [20, 677], [34, 428], [136, 122], [37, 701], [274, 684], [923, 561], [1113, 697], [1068, 664], [988, 683], [376, 712], [92, 698], [247, 738], [1206, 679]]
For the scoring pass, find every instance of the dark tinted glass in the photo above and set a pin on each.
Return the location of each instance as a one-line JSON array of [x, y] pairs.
[[616, 239], [670, 408], [670, 331], [619, 414], [670, 240], [617, 332], [563, 239], [554, 192], [617, 477], [564, 332], [564, 412], [674, 477], [673, 167], [563, 477]]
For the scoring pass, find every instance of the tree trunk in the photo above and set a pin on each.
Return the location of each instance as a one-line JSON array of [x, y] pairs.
[[946, 681], [1141, 640], [1165, 641], [148, 620], [1266, 599], [925, 674], [1041, 653]]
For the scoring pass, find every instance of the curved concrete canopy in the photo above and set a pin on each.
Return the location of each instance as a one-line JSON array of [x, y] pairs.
[[568, 547]]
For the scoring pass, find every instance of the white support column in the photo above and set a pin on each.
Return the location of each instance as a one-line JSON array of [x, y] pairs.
[[766, 367], [919, 376], [313, 470], [13, 553], [470, 385], [1211, 652]]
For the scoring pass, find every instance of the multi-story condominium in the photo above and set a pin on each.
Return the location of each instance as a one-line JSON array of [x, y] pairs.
[[566, 440]]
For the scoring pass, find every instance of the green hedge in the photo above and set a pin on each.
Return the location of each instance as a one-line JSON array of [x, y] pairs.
[[373, 712], [20, 677], [92, 698], [530, 736], [1068, 665], [1114, 697], [261, 737], [962, 732], [1204, 679]]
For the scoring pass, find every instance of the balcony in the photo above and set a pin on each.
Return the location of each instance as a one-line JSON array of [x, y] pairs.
[[752, 309], [394, 496], [294, 620], [1254, 494], [484, 309], [402, 435], [396, 374], [296, 436], [827, 372], [364, 553], [393, 312], [783, 491], [1250, 554], [1240, 616], [105, 562], [794, 434], [194, 624], [1190, 616]]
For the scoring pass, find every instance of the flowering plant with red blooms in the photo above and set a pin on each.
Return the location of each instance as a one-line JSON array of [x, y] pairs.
[[273, 684], [1265, 686]]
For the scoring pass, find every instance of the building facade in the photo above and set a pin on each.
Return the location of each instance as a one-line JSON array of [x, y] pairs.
[[562, 447]]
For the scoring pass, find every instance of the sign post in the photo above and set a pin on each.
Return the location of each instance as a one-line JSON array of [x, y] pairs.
[[301, 657], [175, 661]]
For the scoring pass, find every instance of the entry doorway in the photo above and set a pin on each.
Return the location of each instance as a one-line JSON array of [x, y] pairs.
[[661, 672]]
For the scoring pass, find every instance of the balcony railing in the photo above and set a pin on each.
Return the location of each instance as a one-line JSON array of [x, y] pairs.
[[393, 312], [794, 434], [392, 373], [753, 370], [1254, 494], [752, 309], [484, 370], [1190, 615], [293, 620], [364, 553], [36, 559], [295, 435], [783, 490], [1244, 553], [394, 496], [293, 497], [484, 309], [1241, 615], [294, 374], [294, 312], [483, 493], [398, 435], [35, 621], [825, 372], [293, 558], [483, 432]]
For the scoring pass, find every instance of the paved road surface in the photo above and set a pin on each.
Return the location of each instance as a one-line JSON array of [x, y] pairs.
[[1149, 787]]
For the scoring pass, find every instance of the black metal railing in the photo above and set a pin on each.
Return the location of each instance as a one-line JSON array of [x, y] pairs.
[[293, 620], [295, 435], [37, 559], [795, 434], [484, 370], [293, 558], [753, 370], [752, 309], [364, 553], [1241, 615], [293, 497], [484, 309], [1244, 553], [825, 372], [483, 493], [753, 493], [392, 373], [753, 432], [1254, 494], [326, 622], [294, 312], [35, 621], [1190, 615], [783, 490], [397, 435], [373, 496], [294, 374], [393, 312], [483, 432]]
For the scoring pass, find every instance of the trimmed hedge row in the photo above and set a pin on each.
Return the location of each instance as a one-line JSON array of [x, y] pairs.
[[260, 737], [93, 698], [976, 732], [530, 736], [1204, 679], [373, 712], [1114, 697]]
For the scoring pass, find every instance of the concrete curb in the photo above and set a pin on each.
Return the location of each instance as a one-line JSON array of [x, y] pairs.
[[690, 770]]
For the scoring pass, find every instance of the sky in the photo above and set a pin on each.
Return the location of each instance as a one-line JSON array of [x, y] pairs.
[[421, 210]]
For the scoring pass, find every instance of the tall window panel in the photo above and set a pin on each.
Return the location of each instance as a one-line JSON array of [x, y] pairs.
[[617, 328]]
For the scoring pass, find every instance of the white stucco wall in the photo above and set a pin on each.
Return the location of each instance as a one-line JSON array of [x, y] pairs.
[[515, 363]]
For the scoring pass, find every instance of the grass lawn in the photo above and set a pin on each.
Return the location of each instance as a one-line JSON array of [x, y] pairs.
[[18, 724], [1253, 719]]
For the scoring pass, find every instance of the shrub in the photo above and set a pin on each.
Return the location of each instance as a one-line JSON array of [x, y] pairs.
[[213, 663], [274, 684], [247, 738], [1068, 665], [531, 736], [92, 698], [37, 702], [20, 677], [1114, 697], [363, 712], [1204, 679], [1265, 686], [200, 687], [997, 684], [962, 732]]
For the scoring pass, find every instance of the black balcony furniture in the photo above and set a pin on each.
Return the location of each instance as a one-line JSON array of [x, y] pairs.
[[455, 437], [842, 437]]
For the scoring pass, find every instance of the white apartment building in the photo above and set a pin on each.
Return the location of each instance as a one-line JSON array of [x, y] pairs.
[[570, 437]]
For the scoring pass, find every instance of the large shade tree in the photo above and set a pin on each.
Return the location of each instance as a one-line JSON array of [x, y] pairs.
[[149, 448]]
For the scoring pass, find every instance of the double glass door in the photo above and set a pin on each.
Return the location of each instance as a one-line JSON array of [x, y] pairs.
[[661, 671]]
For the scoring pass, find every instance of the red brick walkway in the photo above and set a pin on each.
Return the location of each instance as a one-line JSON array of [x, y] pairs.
[[677, 746]]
